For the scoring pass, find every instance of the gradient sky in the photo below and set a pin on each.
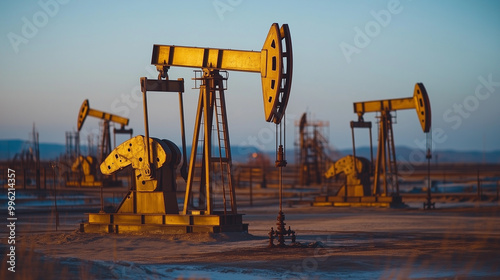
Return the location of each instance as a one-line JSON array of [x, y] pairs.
[[98, 50]]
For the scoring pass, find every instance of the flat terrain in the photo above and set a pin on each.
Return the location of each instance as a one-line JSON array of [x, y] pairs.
[[455, 241]]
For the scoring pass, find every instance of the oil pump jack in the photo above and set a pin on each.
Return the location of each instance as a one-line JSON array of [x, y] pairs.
[[87, 164], [85, 111], [356, 191], [152, 205], [386, 166]]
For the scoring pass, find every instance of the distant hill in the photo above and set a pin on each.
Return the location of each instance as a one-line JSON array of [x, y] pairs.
[[10, 148], [48, 151]]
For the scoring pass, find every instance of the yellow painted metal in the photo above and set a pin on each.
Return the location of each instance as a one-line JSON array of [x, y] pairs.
[[152, 203], [127, 219], [207, 148], [133, 152], [384, 105], [273, 62], [419, 101], [87, 166], [192, 160], [152, 195], [153, 219], [386, 153], [85, 111], [271, 73], [211, 102], [96, 228], [177, 219], [196, 57], [270, 62], [155, 162], [128, 204], [422, 106], [206, 220], [162, 223], [357, 171], [100, 219]]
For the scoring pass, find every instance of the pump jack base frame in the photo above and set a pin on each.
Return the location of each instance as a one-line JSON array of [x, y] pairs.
[[359, 201], [97, 183], [163, 223], [84, 184]]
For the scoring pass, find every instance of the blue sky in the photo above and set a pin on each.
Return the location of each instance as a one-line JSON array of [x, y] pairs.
[[54, 54]]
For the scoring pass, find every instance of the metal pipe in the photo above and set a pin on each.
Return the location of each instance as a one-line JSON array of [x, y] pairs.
[[353, 141], [183, 169], [146, 128], [371, 150], [194, 149], [207, 114]]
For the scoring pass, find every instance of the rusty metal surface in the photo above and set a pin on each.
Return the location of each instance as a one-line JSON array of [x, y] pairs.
[[281, 233]]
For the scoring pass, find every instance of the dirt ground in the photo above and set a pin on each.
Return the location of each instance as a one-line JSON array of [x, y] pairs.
[[454, 242]]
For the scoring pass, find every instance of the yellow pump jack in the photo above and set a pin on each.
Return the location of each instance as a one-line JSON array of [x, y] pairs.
[[356, 191], [86, 165], [152, 205]]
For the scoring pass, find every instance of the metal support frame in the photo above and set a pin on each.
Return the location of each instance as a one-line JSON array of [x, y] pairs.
[[105, 141], [121, 130], [362, 124], [429, 204], [385, 165], [211, 103], [273, 62], [105, 144], [154, 162], [386, 153], [311, 152]]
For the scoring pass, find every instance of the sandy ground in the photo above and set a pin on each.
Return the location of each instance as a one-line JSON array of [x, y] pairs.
[[336, 243]]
